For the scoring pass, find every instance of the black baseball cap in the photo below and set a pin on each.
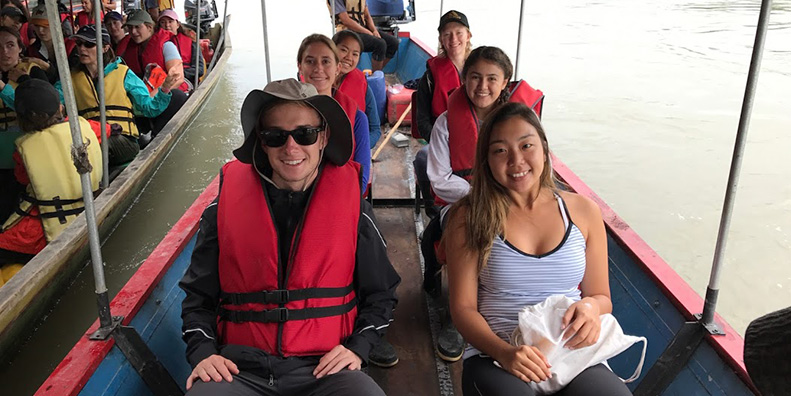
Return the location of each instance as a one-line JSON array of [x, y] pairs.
[[113, 15], [13, 12], [88, 33], [453, 16]]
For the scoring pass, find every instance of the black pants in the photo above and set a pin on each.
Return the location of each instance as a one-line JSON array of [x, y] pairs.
[[432, 280], [481, 377], [156, 124], [9, 193], [298, 382], [380, 48], [121, 149]]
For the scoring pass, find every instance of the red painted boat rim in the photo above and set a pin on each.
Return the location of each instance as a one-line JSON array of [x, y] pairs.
[[74, 371]]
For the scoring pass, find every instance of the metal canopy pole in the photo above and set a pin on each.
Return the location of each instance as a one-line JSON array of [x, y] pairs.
[[441, 8], [197, 41], [736, 163], [266, 41], [332, 19], [519, 39], [85, 177], [221, 41], [97, 14]]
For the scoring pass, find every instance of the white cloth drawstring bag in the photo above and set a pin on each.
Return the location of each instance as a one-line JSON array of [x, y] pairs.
[[539, 326]]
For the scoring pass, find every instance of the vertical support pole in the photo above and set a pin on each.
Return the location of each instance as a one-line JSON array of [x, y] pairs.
[[332, 19], [197, 41], [97, 14], [441, 8], [85, 178], [221, 41], [519, 39], [266, 41], [712, 290]]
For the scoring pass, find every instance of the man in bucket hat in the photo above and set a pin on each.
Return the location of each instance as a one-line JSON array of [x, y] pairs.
[[289, 285]]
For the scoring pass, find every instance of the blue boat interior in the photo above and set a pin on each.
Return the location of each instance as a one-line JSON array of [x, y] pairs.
[[639, 305]]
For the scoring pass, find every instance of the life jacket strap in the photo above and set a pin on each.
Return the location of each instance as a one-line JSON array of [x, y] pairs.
[[283, 296], [463, 173], [280, 315]]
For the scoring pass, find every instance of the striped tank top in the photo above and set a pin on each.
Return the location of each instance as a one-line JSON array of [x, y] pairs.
[[513, 279]]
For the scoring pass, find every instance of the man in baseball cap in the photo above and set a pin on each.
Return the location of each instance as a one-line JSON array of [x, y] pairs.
[[291, 255]]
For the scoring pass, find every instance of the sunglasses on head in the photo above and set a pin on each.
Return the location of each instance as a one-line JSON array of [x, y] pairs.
[[304, 135], [86, 44]]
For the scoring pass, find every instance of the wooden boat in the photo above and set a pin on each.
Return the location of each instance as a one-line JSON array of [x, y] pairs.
[[31, 292], [650, 299]]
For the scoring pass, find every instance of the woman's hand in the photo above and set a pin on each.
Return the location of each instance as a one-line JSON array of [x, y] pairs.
[[15, 73], [336, 360], [582, 324], [171, 81], [38, 62], [526, 363], [214, 367]]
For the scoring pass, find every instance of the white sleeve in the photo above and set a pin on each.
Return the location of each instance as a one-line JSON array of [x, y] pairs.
[[449, 187]]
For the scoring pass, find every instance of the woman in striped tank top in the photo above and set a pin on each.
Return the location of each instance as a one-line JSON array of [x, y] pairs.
[[514, 241]]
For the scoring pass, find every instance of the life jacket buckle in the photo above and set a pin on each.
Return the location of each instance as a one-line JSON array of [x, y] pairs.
[[278, 315], [276, 296]]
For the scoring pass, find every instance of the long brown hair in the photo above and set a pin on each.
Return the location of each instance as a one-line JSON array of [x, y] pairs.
[[492, 55], [488, 202]]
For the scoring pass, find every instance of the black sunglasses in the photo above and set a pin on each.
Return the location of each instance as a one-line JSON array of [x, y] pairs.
[[86, 44], [304, 136]]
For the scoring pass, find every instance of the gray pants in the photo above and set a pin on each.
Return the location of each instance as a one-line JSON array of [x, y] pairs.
[[298, 382]]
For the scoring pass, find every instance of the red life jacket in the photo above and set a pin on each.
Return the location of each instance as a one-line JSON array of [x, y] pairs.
[[319, 277], [349, 107], [446, 79], [463, 125], [355, 85], [137, 59], [184, 44], [83, 18], [120, 47]]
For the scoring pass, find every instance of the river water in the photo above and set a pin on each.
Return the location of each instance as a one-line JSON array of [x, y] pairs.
[[642, 103]]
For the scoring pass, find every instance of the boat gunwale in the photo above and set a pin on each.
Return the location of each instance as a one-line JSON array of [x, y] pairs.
[[729, 346], [45, 269], [74, 371]]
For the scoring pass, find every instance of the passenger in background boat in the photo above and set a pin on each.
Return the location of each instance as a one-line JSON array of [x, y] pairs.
[[288, 230], [86, 17], [42, 51], [154, 7], [486, 74], [353, 82], [513, 241], [151, 52], [53, 195], [126, 96], [354, 15], [185, 42], [319, 64], [114, 23], [442, 76], [13, 71]]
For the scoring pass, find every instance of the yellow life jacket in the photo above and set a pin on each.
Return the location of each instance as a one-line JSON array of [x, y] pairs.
[[117, 105], [356, 11], [7, 114], [54, 182], [165, 4]]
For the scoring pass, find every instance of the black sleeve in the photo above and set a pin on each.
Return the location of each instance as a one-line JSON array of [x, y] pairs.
[[375, 284], [425, 92], [201, 283]]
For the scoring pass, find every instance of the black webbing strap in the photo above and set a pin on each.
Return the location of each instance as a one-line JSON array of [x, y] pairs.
[[61, 213], [463, 172], [51, 202], [280, 315], [283, 296]]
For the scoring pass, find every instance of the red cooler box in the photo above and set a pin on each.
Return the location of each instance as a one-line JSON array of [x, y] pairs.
[[397, 102]]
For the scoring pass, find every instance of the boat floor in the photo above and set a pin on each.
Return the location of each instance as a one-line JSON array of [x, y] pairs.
[[419, 371]]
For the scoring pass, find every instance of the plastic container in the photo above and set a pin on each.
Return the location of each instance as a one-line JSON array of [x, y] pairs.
[[376, 82], [398, 99]]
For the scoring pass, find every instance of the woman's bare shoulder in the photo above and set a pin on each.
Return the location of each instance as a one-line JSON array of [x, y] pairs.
[[582, 209]]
